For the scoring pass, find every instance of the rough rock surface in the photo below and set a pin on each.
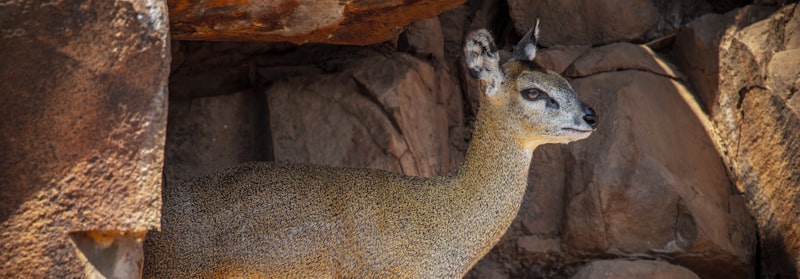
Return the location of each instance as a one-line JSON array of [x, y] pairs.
[[697, 44], [585, 22], [392, 117], [746, 73], [624, 269], [756, 119], [657, 161], [606, 21], [84, 102], [213, 132], [619, 57], [299, 21], [425, 38]]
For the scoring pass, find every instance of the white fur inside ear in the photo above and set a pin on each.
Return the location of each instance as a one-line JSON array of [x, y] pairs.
[[530, 51]]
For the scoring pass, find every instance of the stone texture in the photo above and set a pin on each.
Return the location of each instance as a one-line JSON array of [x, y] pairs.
[[298, 21], [585, 22], [625, 269], [84, 102], [558, 59], [655, 183], [426, 39], [696, 48], [324, 104], [608, 21], [488, 270], [214, 132], [395, 116], [617, 57], [755, 123]]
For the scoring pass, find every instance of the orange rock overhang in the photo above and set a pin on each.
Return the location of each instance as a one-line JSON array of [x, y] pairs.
[[358, 22]]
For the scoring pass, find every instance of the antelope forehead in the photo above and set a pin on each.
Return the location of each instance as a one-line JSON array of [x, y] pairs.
[[548, 82]]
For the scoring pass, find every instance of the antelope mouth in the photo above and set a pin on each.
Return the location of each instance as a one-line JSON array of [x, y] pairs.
[[576, 130]]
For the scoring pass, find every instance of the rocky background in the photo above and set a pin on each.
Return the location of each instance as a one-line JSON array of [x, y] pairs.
[[693, 171], [83, 91]]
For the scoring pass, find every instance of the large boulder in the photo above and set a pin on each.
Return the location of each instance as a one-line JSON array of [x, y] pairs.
[[319, 104], [655, 185], [84, 96], [388, 113], [299, 21], [625, 269]]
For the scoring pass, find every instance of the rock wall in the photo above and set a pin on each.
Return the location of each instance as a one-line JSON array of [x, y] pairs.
[[754, 115], [356, 108], [84, 97]]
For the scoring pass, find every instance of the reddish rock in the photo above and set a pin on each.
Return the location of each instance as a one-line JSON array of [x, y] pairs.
[[585, 22], [558, 59], [541, 212], [626, 269], [636, 185], [617, 57], [783, 76], [696, 48], [756, 120], [425, 38], [386, 113], [84, 101], [537, 245], [298, 21]]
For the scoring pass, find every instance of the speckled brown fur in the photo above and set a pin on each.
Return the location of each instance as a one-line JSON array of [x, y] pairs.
[[298, 221]]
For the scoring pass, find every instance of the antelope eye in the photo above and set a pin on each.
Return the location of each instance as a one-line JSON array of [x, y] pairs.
[[531, 94], [551, 103]]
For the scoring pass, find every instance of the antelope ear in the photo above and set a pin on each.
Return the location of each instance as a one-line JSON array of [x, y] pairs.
[[526, 48], [483, 61]]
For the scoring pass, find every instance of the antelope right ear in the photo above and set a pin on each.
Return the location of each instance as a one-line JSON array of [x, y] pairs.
[[483, 61], [526, 48]]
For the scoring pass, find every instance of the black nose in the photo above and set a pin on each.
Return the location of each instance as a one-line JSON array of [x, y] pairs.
[[590, 117]]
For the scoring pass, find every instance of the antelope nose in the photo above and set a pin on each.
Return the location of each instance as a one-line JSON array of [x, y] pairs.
[[589, 116]]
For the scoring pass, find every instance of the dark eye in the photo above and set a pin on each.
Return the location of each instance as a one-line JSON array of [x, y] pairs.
[[551, 103], [531, 94]]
